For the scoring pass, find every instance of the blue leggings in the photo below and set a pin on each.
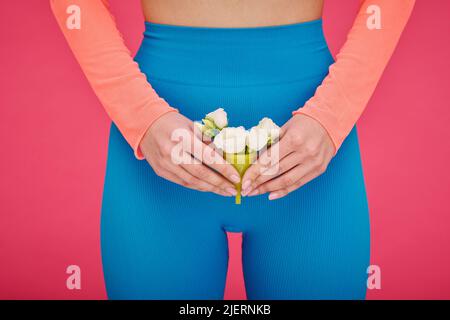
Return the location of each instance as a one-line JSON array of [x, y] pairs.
[[162, 241]]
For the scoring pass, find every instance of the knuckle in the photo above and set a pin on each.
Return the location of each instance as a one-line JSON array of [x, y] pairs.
[[189, 180], [219, 190], [219, 183], [280, 169], [166, 150], [158, 171], [295, 187], [322, 168], [259, 180], [184, 183], [205, 188], [299, 184], [262, 189], [228, 171], [252, 177], [256, 170], [261, 168], [317, 162], [249, 174], [158, 166], [296, 141], [287, 181], [311, 150], [200, 170]]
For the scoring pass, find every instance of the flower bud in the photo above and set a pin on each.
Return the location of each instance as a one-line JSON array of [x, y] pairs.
[[231, 140], [272, 129], [218, 117], [257, 138]]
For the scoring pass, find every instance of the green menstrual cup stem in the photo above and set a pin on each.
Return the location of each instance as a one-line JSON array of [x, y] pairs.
[[241, 161]]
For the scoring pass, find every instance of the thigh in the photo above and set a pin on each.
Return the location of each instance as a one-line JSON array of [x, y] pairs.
[[154, 246], [315, 243]]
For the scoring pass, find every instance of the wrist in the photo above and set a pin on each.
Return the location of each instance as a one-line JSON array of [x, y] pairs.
[[323, 128], [147, 131]]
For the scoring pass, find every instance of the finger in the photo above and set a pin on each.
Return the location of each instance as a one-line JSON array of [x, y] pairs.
[[167, 175], [194, 183], [204, 173], [190, 181], [285, 180], [278, 194], [283, 130], [285, 165], [275, 153], [199, 134], [207, 188], [214, 160], [267, 163]]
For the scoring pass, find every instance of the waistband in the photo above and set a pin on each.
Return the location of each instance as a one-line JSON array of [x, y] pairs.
[[299, 33], [234, 56]]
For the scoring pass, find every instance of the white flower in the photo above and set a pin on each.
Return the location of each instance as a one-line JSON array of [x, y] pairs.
[[205, 129], [273, 130], [218, 117], [231, 140], [257, 138]]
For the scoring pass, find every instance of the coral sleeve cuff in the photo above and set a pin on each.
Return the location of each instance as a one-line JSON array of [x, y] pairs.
[[326, 119], [147, 118]]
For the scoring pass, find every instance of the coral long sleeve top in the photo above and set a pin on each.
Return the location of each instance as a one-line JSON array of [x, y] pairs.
[[133, 105]]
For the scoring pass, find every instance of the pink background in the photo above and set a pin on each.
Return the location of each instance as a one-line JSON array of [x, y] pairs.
[[53, 137]]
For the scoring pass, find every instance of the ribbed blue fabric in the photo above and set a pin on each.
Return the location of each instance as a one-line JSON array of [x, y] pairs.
[[162, 241]]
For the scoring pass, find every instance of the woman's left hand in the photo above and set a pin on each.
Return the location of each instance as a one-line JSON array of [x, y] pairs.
[[305, 149]]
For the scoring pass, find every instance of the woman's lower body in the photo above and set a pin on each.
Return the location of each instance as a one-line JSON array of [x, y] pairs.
[[163, 241]]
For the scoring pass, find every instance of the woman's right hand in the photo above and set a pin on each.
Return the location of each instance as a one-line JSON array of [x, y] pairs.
[[208, 172]]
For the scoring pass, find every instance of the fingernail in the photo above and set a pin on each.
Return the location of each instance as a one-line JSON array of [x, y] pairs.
[[235, 178], [274, 195], [246, 191], [253, 193], [232, 191], [246, 184]]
